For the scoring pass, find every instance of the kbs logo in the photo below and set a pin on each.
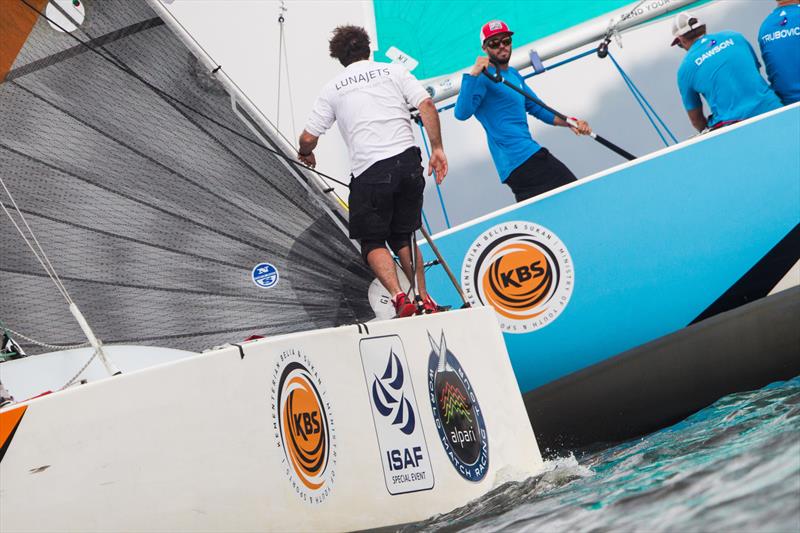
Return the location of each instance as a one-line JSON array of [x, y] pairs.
[[457, 413], [523, 271], [303, 426], [404, 452]]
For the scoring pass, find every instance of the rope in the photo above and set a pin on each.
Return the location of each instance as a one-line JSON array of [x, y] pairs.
[[17, 334], [560, 63], [438, 189], [643, 103], [127, 70], [81, 371]]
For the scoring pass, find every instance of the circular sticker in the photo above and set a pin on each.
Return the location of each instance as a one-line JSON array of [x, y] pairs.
[[265, 275], [304, 427], [523, 271]]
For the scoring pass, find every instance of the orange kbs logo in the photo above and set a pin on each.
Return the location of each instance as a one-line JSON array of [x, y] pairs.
[[523, 271], [303, 427]]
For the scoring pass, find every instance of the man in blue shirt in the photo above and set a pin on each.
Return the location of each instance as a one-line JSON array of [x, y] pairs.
[[521, 162], [724, 69], [779, 39]]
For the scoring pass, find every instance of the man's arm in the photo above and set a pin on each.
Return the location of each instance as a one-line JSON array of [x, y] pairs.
[[697, 118], [430, 119], [472, 91], [306, 153]]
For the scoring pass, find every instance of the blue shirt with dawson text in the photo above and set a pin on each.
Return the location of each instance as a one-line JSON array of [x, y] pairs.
[[723, 67]]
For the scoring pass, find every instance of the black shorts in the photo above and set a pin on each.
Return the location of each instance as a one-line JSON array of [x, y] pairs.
[[386, 199], [540, 173]]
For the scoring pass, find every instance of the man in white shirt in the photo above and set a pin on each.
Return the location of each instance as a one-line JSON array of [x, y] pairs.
[[370, 101]]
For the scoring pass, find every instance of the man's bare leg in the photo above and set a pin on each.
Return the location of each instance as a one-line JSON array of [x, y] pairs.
[[382, 265], [405, 263]]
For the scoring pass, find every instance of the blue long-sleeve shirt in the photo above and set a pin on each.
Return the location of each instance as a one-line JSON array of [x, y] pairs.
[[503, 114]]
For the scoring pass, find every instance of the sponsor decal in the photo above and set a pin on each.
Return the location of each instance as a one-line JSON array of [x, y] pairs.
[[523, 271], [304, 427], [457, 413], [404, 452], [265, 275]]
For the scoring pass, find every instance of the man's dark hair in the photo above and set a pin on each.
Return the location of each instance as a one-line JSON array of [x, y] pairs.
[[349, 44]]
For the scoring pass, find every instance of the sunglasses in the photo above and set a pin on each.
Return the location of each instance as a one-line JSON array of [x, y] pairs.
[[495, 43]]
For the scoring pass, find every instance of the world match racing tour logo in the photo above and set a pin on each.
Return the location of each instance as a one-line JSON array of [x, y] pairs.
[[457, 414], [303, 426], [523, 271]]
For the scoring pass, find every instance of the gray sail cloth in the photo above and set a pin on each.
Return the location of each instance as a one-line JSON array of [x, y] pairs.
[[153, 215]]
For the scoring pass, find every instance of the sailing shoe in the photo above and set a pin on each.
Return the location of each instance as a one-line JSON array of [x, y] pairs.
[[403, 306], [428, 306]]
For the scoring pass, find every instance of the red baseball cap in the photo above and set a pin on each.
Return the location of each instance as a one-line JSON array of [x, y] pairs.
[[493, 27]]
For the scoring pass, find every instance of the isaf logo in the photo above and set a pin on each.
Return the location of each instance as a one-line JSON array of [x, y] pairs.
[[386, 403], [404, 452], [457, 413], [303, 426], [523, 271]]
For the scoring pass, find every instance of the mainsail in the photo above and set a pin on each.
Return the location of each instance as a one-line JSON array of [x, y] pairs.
[[152, 199]]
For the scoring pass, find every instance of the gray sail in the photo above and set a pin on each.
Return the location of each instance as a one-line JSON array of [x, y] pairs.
[[151, 198]]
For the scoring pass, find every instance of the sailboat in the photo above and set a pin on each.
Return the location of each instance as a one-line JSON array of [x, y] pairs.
[[199, 345], [648, 290]]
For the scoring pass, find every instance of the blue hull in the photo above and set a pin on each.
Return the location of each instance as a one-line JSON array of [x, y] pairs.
[[639, 252]]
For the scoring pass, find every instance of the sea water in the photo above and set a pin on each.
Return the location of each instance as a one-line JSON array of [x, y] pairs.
[[734, 466]]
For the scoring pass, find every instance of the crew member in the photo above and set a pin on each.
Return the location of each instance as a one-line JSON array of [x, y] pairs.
[[724, 69], [779, 39], [370, 102], [525, 166]]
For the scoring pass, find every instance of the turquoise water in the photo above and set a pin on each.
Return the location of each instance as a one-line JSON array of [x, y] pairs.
[[734, 466]]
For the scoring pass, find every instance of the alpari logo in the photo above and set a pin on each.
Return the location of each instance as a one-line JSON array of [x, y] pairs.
[[303, 426], [457, 413], [393, 377], [523, 271]]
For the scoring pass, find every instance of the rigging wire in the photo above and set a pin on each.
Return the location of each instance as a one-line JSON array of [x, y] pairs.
[[37, 250], [283, 60], [126, 69], [282, 8]]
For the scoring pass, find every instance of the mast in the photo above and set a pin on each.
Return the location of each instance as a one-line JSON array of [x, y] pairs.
[[554, 45]]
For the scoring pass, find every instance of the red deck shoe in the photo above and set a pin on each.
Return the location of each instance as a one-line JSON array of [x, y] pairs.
[[428, 306], [403, 306]]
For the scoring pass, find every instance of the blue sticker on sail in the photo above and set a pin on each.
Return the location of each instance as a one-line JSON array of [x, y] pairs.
[[265, 275]]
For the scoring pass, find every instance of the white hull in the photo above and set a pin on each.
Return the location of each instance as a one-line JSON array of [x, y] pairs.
[[191, 445]]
